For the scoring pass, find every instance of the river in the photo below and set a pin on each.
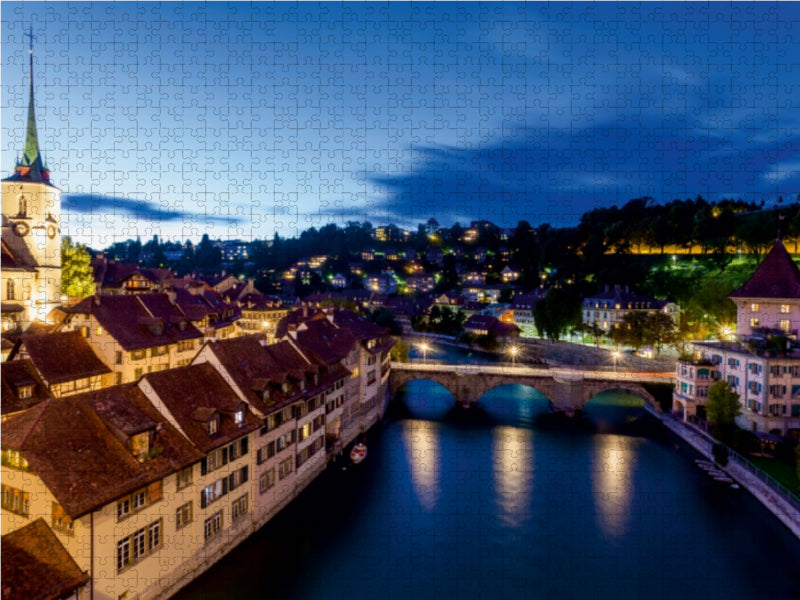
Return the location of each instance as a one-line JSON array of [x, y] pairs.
[[506, 501]]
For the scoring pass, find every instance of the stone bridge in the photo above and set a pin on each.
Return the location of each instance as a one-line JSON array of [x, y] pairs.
[[567, 389]]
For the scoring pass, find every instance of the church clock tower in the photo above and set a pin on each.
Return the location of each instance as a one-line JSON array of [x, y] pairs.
[[31, 234]]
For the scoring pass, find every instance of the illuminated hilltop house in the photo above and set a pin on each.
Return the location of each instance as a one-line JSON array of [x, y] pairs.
[[31, 235], [763, 363]]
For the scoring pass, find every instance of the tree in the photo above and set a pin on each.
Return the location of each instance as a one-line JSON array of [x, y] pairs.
[[557, 313], [77, 276], [722, 409]]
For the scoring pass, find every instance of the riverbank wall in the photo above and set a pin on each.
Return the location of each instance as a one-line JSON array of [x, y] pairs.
[[779, 502]]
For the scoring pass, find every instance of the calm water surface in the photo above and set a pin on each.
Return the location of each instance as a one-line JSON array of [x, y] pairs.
[[508, 504]]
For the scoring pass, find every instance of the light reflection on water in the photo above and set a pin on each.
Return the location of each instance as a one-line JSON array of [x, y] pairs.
[[421, 440], [513, 473], [613, 463]]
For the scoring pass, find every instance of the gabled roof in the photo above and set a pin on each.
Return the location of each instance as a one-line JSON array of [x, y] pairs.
[[252, 369], [185, 389], [17, 374], [130, 323], [36, 566], [62, 356], [75, 444], [328, 343], [776, 277]]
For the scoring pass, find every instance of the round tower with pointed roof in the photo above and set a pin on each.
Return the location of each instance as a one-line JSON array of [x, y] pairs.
[[31, 230]]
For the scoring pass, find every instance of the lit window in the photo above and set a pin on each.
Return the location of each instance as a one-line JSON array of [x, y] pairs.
[[754, 322], [784, 324], [212, 427], [754, 307], [238, 417]]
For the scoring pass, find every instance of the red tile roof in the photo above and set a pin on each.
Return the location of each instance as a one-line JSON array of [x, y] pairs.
[[776, 277], [36, 566], [63, 356], [76, 445], [131, 324], [252, 369], [185, 389]]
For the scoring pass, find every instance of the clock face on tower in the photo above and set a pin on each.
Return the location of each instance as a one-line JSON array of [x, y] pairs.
[[21, 229], [51, 231]]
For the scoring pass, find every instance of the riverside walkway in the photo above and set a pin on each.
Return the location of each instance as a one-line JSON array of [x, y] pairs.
[[776, 498]]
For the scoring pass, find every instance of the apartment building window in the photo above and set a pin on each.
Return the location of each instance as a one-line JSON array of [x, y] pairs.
[[183, 516], [10, 293], [785, 309], [139, 545], [138, 500], [185, 345], [239, 508], [784, 325], [266, 480], [286, 440], [754, 307], [754, 322], [212, 526], [304, 432], [15, 500], [137, 373], [138, 354], [285, 467], [265, 452], [183, 478], [159, 351]]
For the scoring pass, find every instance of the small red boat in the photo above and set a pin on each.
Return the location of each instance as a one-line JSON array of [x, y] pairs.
[[358, 453]]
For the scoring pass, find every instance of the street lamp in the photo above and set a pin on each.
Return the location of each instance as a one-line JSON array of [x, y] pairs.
[[424, 348], [615, 354], [514, 350]]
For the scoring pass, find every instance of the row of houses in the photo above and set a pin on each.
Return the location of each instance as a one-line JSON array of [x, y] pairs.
[[137, 481]]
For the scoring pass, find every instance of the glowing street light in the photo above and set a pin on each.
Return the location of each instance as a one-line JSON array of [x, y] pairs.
[[424, 347], [514, 350], [615, 354]]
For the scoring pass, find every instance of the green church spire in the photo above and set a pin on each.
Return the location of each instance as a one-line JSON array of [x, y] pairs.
[[31, 166]]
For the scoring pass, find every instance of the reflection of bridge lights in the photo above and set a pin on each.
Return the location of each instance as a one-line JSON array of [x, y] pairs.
[[612, 481], [513, 472], [422, 449]]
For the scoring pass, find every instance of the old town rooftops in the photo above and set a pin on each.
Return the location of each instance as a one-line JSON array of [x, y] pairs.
[[185, 389], [37, 566], [131, 323], [81, 446], [60, 357]]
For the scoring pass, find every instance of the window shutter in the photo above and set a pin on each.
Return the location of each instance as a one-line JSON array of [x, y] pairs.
[[244, 445], [202, 499], [224, 485], [225, 455], [155, 491], [204, 466], [244, 474]]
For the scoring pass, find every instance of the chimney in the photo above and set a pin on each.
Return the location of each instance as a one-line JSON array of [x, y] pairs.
[[291, 329], [305, 310], [97, 299]]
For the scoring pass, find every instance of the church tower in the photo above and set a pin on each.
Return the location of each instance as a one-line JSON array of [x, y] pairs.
[[31, 233]]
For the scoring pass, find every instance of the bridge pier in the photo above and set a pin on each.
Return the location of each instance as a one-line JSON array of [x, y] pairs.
[[567, 396]]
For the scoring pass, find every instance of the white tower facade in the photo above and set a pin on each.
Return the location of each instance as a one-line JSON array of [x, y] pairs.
[[31, 235]]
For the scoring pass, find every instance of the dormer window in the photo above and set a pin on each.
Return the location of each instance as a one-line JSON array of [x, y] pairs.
[[213, 426], [25, 391], [238, 417], [285, 388], [140, 444]]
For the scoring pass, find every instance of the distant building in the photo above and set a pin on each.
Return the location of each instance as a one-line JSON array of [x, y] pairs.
[[481, 325], [523, 305], [763, 363], [608, 308]]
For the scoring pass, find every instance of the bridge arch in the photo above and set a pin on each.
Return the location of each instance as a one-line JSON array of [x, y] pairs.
[[487, 384], [399, 380], [592, 389]]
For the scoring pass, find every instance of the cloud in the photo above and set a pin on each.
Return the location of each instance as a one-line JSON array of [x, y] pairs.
[[144, 209]]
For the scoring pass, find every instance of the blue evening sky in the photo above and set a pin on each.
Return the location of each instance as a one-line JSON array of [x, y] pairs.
[[242, 119]]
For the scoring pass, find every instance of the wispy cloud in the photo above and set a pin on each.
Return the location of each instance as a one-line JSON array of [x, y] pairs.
[[144, 209]]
